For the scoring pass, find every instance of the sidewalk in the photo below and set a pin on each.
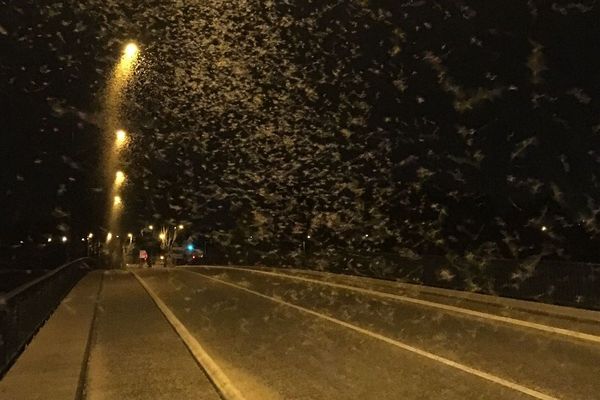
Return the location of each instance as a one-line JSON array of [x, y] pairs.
[[106, 340], [50, 367]]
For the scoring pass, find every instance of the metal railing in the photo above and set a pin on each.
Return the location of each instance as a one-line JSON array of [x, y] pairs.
[[24, 309]]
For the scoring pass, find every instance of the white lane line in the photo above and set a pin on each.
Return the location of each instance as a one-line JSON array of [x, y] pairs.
[[477, 314], [223, 384], [481, 374]]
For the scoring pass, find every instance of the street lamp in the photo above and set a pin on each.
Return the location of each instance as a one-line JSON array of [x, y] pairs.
[[119, 178], [117, 201], [151, 227], [131, 50], [304, 243], [90, 235], [109, 237], [64, 239], [121, 138]]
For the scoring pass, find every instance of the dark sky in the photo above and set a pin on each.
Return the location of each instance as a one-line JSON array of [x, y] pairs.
[[454, 127]]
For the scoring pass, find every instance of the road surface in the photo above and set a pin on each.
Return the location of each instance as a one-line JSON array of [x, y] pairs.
[[218, 332]]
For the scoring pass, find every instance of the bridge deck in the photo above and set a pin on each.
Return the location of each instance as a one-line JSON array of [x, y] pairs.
[[209, 333]]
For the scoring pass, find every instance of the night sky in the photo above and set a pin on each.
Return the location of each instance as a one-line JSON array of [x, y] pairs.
[[457, 127]]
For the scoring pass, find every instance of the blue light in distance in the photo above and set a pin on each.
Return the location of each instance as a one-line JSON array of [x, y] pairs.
[[190, 247]]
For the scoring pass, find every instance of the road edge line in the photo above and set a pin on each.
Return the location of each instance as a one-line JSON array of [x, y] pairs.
[[459, 310], [461, 367], [222, 383]]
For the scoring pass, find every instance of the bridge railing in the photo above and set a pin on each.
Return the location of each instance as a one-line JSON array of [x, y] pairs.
[[574, 284], [568, 283], [24, 309]]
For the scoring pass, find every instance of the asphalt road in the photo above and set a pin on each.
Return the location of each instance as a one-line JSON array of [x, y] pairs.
[[195, 332], [282, 338]]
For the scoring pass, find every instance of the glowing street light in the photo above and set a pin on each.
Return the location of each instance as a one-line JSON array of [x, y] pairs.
[[544, 228], [180, 226], [117, 202], [64, 239], [131, 50], [119, 178], [90, 235], [130, 235], [127, 64], [162, 236], [109, 236], [121, 138], [49, 240], [151, 227]]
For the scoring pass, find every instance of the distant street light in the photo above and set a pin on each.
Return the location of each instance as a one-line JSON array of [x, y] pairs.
[[64, 239], [544, 228], [162, 236], [90, 235], [121, 138], [180, 226], [117, 201], [119, 178], [108, 237], [49, 240], [151, 227]]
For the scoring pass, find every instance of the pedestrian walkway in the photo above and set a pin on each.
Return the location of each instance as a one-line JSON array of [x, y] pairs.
[[50, 367], [106, 340]]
